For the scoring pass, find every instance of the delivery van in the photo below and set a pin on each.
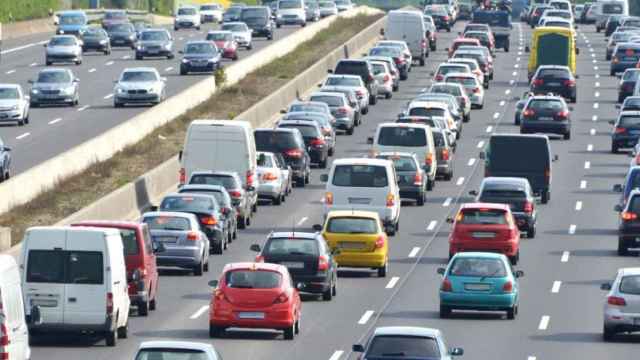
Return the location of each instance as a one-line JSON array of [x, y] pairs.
[[408, 26], [552, 45]]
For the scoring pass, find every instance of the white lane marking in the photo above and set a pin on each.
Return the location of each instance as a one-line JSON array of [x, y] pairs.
[[392, 282], [460, 181], [126, 57], [108, 97], [447, 202], [511, 82], [519, 52], [10, 72], [496, 115], [168, 69], [556, 287], [471, 162], [20, 137], [336, 355], [597, 76], [531, 358], [578, 205], [597, 94], [590, 147], [489, 128], [594, 118], [83, 108], [432, 225], [544, 322], [517, 59], [515, 73], [302, 221], [198, 313], [365, 317], [507, 92], [593, 55], [564, 257], [572, 229], [92, 70], [56, 120], [587, 164], [583, 184], [8, 51], [180, 38], [590, 49], [516, 66], [109, 63], [597, 84], [480, 144], [595, 61], [414, 252], [596, 105], [33, 64], [502, 102], [595, 68], [592, 132]]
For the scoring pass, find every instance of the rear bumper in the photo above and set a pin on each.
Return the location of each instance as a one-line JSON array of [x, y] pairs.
[[625, 141], [546, 127], [466, 301], [314, 284], [500, 247], [374, 259], [274, 318], [107, 325]]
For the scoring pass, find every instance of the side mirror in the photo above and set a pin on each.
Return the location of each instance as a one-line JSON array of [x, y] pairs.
[[456, 352], [605, 286], [213, 283], [6, 148], [482, 155], [370, 140], [30, 81], [153, 208], [330, 71], [255, 248], [115, 81], [317, 227], [519, 273], [324, 178], [283, 111], [35, 318], [577, 76], [382, 31], [357, 348], [432, 73], [617, 187], [450, 220], [526, 49], [618, 106], [618, 208], [441, 270], [556, 157], [473, 193]]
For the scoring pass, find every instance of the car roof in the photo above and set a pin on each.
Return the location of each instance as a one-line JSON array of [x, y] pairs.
[[456, 74], [254, 266], [170, 213], [506, 183], [216, 172], [406, 330], [108, 224], [293, 235], [14, 86], [327, 93], [277, 129], [344, 76], [353, 213], [478, 254], [299, 122], [629, 271], [145, 69], [219, 31], [361, 161], [477, 205], [403, 125], [428, 104], [203, 186]]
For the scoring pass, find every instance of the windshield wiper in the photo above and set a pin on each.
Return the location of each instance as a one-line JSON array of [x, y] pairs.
[[298, 253], [242, 286], [399, 353]]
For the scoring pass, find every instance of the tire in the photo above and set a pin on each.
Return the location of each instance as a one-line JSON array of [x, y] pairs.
[[516, 121], [123, 331], [512, 313], [296, 330], [328, 294], [506, 49], [111, 338], [217, 249], [445, 311], [153, 304], [143, 308], [567, 136], [323, 163], [254, 207], [21, 122], [139, 57], [622, 248], [388, 95], [420, 199], [350, 131], [250, 46], [395, 87], [531, 232], [215, 331], [373, 99], [422, 61], [466, 118], [545, 197], [278, 26], [612, 73], [430, 185], [449, 29], [365, 111], [514, 259], [183, 72], [277, 200], [382, 271], [607, 335], [614, 149], [289, 332], [199, 269]]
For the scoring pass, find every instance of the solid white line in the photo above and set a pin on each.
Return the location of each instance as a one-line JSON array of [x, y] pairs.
[[55, 121], [414, 252], [496, 115], [480, 144], [336, 355], [302, 221], [489, 129], [578, 205], [544, 322], [20, 137], [198, 313], [460, 181], [34, 64], [109, 63], [590, 147], [587, 164], [10, 72], [556, 287], [432, 225], [447, 202], [365, 317], [168, 69], [8, 51], [564, 257], [83, 108], [92, 70], [572, 229], [471, 162], [583, 184], [592, 132], [392, 282], [502, 102], [108, 97], [594, 118]]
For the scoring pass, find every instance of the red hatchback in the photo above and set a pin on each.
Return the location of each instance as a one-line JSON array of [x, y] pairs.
[[487, 228], [460, 42], [225, 43], [140, 260], [255, 295]]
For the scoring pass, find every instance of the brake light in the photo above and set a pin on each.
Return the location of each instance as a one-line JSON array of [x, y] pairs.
[[616, 301], [294, 153], [386, 77], [220, 296], [182, 176], [342, 111], [507, 287], [192, 236], [269, 176], [428, 159], [323, 263], [423, 44], [615, 60], [208, 220], [4, 337], [620, 130], [390, 199], [109, 303], [259, 259], [318, 142], [445, 154], [547, 173], [417, 179], [281, 299], [439, 77], [528, 112], [379, 242], [446, 285], [563, 114], [638, 159], [328, 198], [628, 216], [538, 82], [399, 60], [249, 177], [359, 93], [528, 207], [476, 90], [569, 83], [235, 193], [445, 18], [370, 77]]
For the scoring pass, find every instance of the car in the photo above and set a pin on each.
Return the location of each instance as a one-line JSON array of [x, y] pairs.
[[622, 303], [63, 49], [259, 20], [200, 56], [142, 85], [536, 14], [353, 82], [461, 41], [54, 86], [546, 114], [232, 14], [481, 281], [71, 22], [308, 106], [557, 22], [352, 100], [291, 12], [274, 181], [382, 72], [290, 144], [626, 130], [225, 43], [326, 123], [207, 212], [241, 198], [522, 101], [5, 161], [612, 24], [263, 294], [485, 38], [444, 153], [241, 33], [472, 26], [624, 56], [480, 54], [447, 99], [111, 17], [312, 11], [14, 104], [440, 16], [456, 90], [391, 64], [629, 210], [211, 13], [327, 8], [474, 67], [436, 123], [308, 258], [473, 87], [398, 56], [631, 103], [410, 341], [485, 227], [437, 109], [412, 178], [96, 39], [156, 350], [446, 67], [154, 43], [229, 214], [627, 83], [399, 45], [187, 16], [554, 79], [363, 69], [344, 5], [122, 34], [341, 109]]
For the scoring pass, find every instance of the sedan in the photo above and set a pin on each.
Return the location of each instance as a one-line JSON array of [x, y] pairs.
[[255, 295], [14, 104], [628, 223], [554, 79], [156, 43], [199, 56], [63, 49], [326, 123], [353, 82], [623, 304], [225, 43], [343, 112], [274, 182], [412, 342], [122, 34], [55, 86], [472, 86], [229, 215], [313, 137], [96, 39], [176, 349], [139, 86], [412, 179], [627, 83], [241, 33], [5, 161], [479, 281], [626, 130], [546, 114]]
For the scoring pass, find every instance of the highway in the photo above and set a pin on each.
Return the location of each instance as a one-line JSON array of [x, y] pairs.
[[560, 301], [53, 130]]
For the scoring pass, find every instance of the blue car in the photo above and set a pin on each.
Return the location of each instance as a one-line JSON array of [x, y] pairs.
[[479, 281], [73, 22], [631, 182]]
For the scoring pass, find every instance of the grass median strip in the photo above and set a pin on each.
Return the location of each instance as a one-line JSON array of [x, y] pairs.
[[79, 191]]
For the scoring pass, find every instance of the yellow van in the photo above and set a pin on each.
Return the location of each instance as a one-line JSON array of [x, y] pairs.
[[552, 45]]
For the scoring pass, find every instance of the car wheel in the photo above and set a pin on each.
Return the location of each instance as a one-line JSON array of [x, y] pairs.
[[420, 199], [297, 328], [218, 248], [277, 200], [531, 232], [612, 73], [215, 331], [448, 176], [608, 57], [198, 269], [382, 271], [183, 72], [445, 311], [139, 57], [143, 308], [250, 46], [512, 313], [153, 304], [323, 163], [278, 26], [607, 334], [21, 122], [567, 136], [388, 95], [514, 259], [242, 223], [392, 232], [254, 207], [544, 198], [111, 338], [365, 110], [395, 87], [373, 99], [350, 130], [289, 332], [622, 248], [328, 294], [430, 185], [614, 149]]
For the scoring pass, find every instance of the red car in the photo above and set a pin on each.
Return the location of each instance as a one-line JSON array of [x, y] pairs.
[[225, 43], [487, 228], [460, 42], [139, 258], [255, 295]]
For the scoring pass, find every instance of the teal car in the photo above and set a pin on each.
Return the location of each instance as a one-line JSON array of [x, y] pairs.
[[479, 281]]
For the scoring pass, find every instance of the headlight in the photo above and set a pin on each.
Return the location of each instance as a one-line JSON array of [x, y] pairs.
[[14, 107], [68, 90], [139, 47], [167, 46], [152, 90], [35, 91], [185, 61], [120, 90], [102, 42]]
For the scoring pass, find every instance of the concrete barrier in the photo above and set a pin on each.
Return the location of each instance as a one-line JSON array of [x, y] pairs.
[[5, 238], [27, 185]]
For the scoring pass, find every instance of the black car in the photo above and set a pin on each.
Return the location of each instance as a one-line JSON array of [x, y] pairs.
[[232, 14], [199, 56], [398, 57], [313, 138], [122, 34], [259, 20], [612, 24], [363, 69], [629, 223], [626, 130], [5, 161], [229, 212], [96, 39], [306, 256], [546, 114], [554, 79], [440, 17], [627, 83], [290, 144]]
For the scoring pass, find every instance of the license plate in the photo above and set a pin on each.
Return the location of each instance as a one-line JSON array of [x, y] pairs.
[[477, 287], [119, 41], [44, 302], [251, 315], [352, 245], [483, 235], [165, 238], [545, 118], [153, 51], [553, 84], [292, 264], [363, 201]]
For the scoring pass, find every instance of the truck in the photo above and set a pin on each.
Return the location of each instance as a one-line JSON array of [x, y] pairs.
[[500, 23]]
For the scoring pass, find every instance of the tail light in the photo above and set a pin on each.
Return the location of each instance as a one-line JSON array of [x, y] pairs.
[[528, 113], [235, 194], [323, 263], [428, 159], [563, 114], [390, 200], [183, 176], [294, 153], [249, 177], [423, 44], [446, 285], [399, 60], [569, 83], [109, 303], [328, 198], [638, 159], [281, 299], [318, 142], [507, 287], [386, 77], [4, 340], [220, 296], [476, 90], [628, 216], [445, 154], [259, 259], [538, 82], [342, 111], [379, 242], [370, 77], [208, 220], [359, 93], [269, 176], [417, 179], [620, 130], [439, 77], [616, 300], [445, 18], [547, 174], [528, 207], [192, 236], [615, 60]]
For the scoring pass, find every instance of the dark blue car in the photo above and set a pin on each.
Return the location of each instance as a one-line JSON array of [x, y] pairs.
[[631, 181], [5, 161]]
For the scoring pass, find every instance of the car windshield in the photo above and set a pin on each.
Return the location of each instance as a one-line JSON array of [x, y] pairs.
[[154, 36], [452, 90], [401, 163], [135, 76], [473, 65], [482, 217], [120, 28], [333, 101], [352, 225], [62, 41], [631, 104], [54, 77], [424, 111], [291, 246], [164, 222], [93, 32], [252, 279], [9, 93], [343, 81], [326, 4], [385, 51], [220, 36], [234, 11], [290, 4], [360, 176], [171, 354], [234, 27], [187, 203], [445, 69], [401, 346], [478, 267], [228, 182], [402, 136], [72, 20], [199, 48], [209, 7], [186, 11], [630, 75], [630, 121]]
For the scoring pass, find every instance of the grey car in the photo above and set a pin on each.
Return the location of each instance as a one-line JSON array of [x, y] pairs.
[[5, 161], [520, 106], [444, 153], [63, 49], [122, 34], [229, 213], [412, 178], [274, 181], [327, 8], [154, 43], [326, 123], [55, 86], [353, 82], [14, 104], [200, 56], [352, 99], [622, 304], [185, 244], [340, 109], [241, 33], [139, 86], [312, 11]]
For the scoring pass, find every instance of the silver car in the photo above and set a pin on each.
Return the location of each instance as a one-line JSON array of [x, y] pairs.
[[154, 43], [312, 11], [63, 49], [444, 153], [340, 109], [395, 73], [353, 82], [142, 85], [185, 245], [326, 123], [273, 181], [622, 308], [14, 104], [55, 86], [327, 8], [241, 33]]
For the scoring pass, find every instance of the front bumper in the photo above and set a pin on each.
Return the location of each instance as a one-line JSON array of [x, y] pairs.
[[52, 98], [153, 52], [63, 57], [198, 67], [137, 98], [524, 221], [11, 115]]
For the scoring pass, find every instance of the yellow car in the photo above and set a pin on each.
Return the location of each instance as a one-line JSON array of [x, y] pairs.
[[359, 238]]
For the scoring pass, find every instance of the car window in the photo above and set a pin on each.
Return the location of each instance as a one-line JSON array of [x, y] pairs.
[[291, 246], [465, 81], [482, 217], [553, 73], [275, 141], [552, 105], [452, 90], [478, 267], [72, 20], [171, 354], [400, 346], [630, 121], [329, 100], [199, 48], [9, 93], [187, 203], [219, 36], [438, 139], [307, 108], [307, 131], [135, 76], [352, 225], [360, 176], [400, 163], [451, 69], [154, 36], [252, 279], [342, 81], [65, 267], [186, 11], [631, 104], [171, 223], [62, 41], [216, 194], [130, 241], [385, 51], [213, 179], [402, 136], [630, 285], [630, 75], [265, 161]]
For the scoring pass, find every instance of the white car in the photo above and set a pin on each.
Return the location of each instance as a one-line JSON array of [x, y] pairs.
[[623, 303], [456, 90], [187, 16], [291, 12], [327, 8], [385, 80], [153, 350], [14, 104], [471, 85], [274, 178], [142, 85], [211, 13], [353, 82], [474, 67], [241, 33]]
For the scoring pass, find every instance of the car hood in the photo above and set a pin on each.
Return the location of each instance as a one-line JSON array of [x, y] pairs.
[[186, 17], [62, 49], [199, 56], [244, 34], [130, 85], [121, 33], [51, 86], [290, 11], [6, 103]]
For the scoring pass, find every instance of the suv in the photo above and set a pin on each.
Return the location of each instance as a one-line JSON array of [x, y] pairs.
[[628, 223], [313, 139], [546, 114], [258, 19], [289, 143], [5, 161], [363, 69], [554, 79], [626, 131]]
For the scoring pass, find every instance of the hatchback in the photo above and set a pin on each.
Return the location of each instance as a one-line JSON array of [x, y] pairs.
[[485, 227], [546, 114], [96, 39], [142, 85], [200, 56], [412, 179], [224, 41], [440, 17], [626, 130], [341, 109], [631, 103], [412, 342], [290, 144], [479, 281], [474, 67], [623, 304], [460, 42], [444, 152], [481, 55], [273, 179], [554, 79], [472, 86], [445, 68], [614, 39], [255, 295], [363, 69], [624, 56], [393, 69], [629, 224], [627, 83], [63, 49], [324, 120], [308, 106], [229, 215], [485, 38], [382, 72], [400, 45], [313, 137], [352, 82]]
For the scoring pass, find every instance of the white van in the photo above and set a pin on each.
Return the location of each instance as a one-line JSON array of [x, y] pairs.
[[408, 26], [77, 276], [411, 138], [291, 12], [221, 145], [601, 10], [364, 184]]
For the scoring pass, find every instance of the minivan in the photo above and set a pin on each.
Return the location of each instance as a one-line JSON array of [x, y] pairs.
[[364, 184], [601, 10], [411, 138], [225, 145], [258, 19], [408, 26], [523, 156], [77, 276]]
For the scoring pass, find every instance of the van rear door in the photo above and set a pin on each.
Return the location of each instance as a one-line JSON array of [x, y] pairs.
[[520, 156]]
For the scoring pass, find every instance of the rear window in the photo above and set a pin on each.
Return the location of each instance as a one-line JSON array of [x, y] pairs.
[[630, 121], [451, 69], [307, 131], [630, 75], [451, 90], [228, 182], [216, 194], [171, 354], [170, 223], [421, 111], [546, 105], [465, 81], [360, 176], [482, 217], [625, 51], [518, 153], [352, 225], [329, 100], [252, 279], [129, 241], [275, 141], [341, 81], [265, 161], [286, 246], [401, 163], [350, 67], [612, 9], [502, 194], [306, 107], [553, 73], [478, 267], [402, 136], [187, 203], [630, 285], [65, 267], [401, 346]]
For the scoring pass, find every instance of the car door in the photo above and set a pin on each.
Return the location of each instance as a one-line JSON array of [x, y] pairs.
[[150, 262]]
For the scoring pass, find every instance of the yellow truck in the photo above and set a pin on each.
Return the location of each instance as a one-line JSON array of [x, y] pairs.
[[552, 45]]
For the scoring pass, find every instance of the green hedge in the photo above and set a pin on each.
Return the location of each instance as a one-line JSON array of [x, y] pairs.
[[25, 9]]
